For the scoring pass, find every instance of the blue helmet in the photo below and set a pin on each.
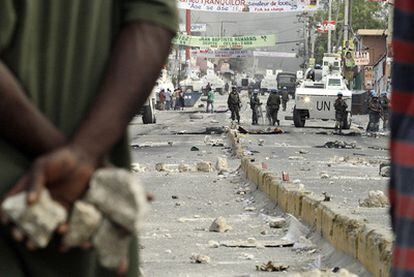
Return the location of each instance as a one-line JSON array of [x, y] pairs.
[[340, 93], [273, 90], [384, 93]]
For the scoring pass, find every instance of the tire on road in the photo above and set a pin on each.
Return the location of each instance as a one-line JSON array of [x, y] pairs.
[[148, 116], [298, 118]]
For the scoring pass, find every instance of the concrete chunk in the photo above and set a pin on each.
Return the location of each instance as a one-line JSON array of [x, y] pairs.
[[84, 222], [37, 221], [204, 166], [220, 225], [119, 195], [111, 244]]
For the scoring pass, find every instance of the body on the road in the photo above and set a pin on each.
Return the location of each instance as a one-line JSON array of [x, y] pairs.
[[340, 112], [255, 105], [234, 104], [374, 113], [273, 106]]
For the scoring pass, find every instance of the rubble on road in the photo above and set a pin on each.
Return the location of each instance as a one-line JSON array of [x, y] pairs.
[[270, 267], [339, 144], [385, 169], [196, 116], [185, 168], [119, 196], [215, 142], [213, 244], [376, 199], [112, 244], [303, 152], [326, 197], [325, 273], [304, 244], [324, 175], [222, 164], [266, 131], [253, 243], [136, 167], [277, 222], [205, 166], [84, 220], [194, 148], [250, 209], [162, 167], [220, 225], [38, 221], [200, 259]]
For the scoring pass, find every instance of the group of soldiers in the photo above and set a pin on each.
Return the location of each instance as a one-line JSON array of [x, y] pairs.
[[275, 99], [378, 108]]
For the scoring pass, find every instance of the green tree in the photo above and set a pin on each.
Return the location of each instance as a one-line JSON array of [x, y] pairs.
[[365, 15]]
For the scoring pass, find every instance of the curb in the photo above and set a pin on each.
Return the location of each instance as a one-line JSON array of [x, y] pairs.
[[371, 246]]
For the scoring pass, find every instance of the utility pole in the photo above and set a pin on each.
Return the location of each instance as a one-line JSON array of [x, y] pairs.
[[346, 20], [329, 31], [188, 31]]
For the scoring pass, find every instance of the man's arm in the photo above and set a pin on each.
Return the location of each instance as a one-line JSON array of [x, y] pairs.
[[21, 123], [139, 54]]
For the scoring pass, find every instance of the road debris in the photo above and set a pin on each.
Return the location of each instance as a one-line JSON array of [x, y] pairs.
[[277, 222], [194, 148], [196, 116], [222, 164], [285, 176], [213, 244], [250, 209], [136, 167], [38, 221], [385, 169], [326, 197], [339, 144], [296, 158], [205, 166], [220, 225], [304, 244], [260, 142], [376, 199], [246, 256], [162, 167], [325, 273], [215, 142], [324, 175], [270, 267], [200, 259], [266, 131], [253, 243], [185, 168], [303, 152]]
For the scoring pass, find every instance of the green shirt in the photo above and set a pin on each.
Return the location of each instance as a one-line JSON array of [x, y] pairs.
[[58, 50]]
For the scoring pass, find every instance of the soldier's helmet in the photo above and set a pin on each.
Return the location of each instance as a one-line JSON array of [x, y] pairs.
[[374, 94], [285, 88], [273, 90], [340, 94], [233, 88], [256, 91], [384, 93]]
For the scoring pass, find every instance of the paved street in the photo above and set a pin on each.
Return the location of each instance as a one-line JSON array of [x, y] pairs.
[[187, 203]]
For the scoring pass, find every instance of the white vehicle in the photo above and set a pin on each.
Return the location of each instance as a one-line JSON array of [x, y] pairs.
[[315, 100], [215, 81], [269, 82]]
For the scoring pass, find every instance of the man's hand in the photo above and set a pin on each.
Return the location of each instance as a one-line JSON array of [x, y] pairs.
[[65, 172]]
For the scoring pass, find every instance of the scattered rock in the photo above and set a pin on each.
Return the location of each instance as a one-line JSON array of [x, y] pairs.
[[213, 244], [296, 182], [196, 116], [326, 197], [264, 232], [119, 195], [174, 197], [200, 259], [247, 256], [304, 244], [168, 251], [277, 222], [112, 244], [376, 199], [385, 171], [222, 164], [204, 166], [260, 142], [270, 267], [194, 148], [85, 219], [303, 152], [161, 167], [340, 144], [296, 158], [184, 168], [250, 209], [136, 167], [324, 175], [38, 221], [220, 225]]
